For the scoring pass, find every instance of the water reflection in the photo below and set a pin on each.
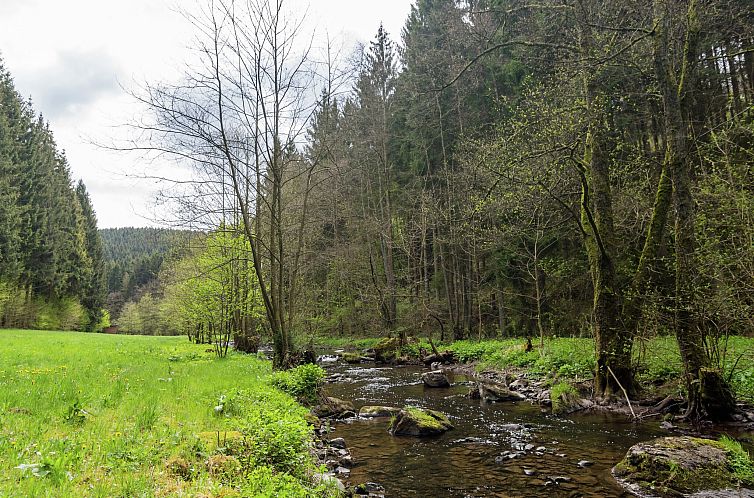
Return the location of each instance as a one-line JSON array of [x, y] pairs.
[[505, 449]]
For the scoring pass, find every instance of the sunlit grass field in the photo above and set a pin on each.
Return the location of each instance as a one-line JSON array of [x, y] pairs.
[[121, 416]]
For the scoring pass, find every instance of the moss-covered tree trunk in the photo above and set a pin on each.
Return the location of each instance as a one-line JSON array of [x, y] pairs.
[[612, 343], [708, 393]]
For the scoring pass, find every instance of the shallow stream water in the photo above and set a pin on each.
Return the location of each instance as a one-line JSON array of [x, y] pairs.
[[473, 459]]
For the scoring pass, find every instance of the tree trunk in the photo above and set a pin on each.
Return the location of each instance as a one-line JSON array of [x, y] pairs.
[[708, 393]]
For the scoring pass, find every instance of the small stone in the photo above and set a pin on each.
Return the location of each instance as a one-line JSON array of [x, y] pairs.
[[529, 447], [529, 472], [338, 442], [436, 378], [585, 463], [519, 384], [541, 448], [666, 425], [342, 471]]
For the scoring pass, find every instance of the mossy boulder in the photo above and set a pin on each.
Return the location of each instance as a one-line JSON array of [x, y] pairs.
[[678, 466], [334, 407], [351, 358], [378, 411], [387, 350], [491, 392], [566, 399], [435, 378], [417, 422]]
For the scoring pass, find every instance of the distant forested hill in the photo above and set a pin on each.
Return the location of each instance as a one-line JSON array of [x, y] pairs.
[[134, 257], [51, 265]]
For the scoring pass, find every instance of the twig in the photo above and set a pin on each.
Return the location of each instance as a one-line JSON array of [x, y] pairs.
[[624, 392]]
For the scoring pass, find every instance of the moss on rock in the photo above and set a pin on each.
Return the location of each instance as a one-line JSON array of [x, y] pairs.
[[677, 466], [413, 421]]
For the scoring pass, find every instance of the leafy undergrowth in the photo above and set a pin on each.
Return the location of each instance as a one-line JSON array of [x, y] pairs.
[[303, 382], [564, 358], [117, 416], [658, 361], [739, 460]]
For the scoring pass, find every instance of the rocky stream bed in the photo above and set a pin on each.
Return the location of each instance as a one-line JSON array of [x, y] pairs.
[[504, 439]]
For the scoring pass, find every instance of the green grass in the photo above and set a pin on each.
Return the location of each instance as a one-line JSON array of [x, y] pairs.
[[739, 460], [121, 416]]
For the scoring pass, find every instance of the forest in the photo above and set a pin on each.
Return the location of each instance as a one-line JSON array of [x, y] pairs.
[[51, 260], [559, 194], [499, 169]]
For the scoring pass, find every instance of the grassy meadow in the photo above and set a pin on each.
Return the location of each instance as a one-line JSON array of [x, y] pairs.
[[128, 416]]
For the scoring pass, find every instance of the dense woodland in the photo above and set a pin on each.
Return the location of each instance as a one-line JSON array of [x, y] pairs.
[[133, 259], [500, 168], [51, 261]]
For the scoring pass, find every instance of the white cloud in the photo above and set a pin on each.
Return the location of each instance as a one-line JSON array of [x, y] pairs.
[[71, 56]]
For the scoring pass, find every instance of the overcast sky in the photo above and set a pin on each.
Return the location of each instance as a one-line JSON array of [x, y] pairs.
[[72, 57]]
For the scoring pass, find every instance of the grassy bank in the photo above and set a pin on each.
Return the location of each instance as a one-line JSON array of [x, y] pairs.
[[657, 360], [117, 416]]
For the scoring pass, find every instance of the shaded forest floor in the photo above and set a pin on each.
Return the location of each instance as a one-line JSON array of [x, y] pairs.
[[100, 415]]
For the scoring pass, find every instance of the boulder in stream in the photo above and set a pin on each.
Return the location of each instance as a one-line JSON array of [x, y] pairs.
[[682, 466], [334, 407], [351, 358], [370, 411], [387, 350], [491, 392], [436, 378], [418, 422]]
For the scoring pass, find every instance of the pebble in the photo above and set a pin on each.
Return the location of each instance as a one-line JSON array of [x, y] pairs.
[[338, 442], [342, 471], [529, 472], [585, 463]]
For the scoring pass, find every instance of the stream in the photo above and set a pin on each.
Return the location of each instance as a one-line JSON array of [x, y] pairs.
[[552, 456]]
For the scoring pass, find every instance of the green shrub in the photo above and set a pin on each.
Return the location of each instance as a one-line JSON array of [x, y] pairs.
[[302, 382], [561, 394], [739, 460]]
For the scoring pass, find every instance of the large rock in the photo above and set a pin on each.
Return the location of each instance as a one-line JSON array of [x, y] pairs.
[[436, 378], [678, 466], [387, 350], [444, 357], [351, 358], [334, 407], [565, 399], [491, 393], [417, 422], [378, 411]]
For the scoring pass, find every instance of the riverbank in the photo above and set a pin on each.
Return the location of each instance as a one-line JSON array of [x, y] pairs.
[[99, 415], [570, 361], [505, 439]]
